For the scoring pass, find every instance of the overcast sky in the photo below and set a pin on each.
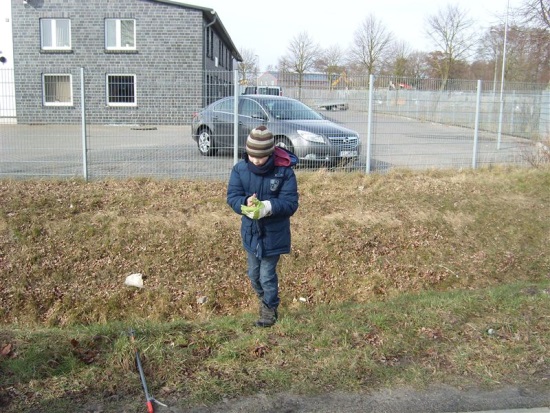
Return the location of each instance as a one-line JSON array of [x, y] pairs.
[[267, 27]]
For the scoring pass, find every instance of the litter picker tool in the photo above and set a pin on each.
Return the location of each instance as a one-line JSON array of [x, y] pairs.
[[150, 400]]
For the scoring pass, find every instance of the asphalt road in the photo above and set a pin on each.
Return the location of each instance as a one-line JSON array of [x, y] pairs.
[[169, 151], [435, 399]]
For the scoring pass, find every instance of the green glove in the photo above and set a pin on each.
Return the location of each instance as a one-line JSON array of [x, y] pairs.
[[253, 212]]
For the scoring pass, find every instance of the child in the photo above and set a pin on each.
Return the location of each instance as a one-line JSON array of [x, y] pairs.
[[263, 188]]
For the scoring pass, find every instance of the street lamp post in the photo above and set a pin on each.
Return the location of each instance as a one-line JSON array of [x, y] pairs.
[[499, 136], [495, 44], [257, 71], [495, 75]]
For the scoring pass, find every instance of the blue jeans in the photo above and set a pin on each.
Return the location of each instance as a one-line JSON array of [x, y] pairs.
[[263, 276]]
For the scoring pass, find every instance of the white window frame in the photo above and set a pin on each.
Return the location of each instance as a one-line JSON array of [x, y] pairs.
[[118, 35], [52, 24], [107, 90], [45, 87]]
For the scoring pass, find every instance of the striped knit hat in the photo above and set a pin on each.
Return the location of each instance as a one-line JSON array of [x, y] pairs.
[[260, 142]]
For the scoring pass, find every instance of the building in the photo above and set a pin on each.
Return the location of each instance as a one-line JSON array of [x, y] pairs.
[[292, 79], [127, 61]]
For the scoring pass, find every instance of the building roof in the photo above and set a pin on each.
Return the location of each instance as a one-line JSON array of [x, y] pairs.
[[306, 76], [212, 18]]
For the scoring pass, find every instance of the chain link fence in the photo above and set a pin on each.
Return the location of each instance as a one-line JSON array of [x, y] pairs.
[[139, 124]]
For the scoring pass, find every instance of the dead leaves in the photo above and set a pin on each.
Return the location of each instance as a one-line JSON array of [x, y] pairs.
[[260, 350], [430, 333], [372, 338], [87, 352], [7, 351]]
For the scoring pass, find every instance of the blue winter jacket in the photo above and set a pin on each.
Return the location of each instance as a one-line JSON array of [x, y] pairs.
[[270, 235]]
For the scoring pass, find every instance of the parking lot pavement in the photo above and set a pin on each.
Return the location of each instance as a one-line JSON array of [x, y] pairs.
[[535, 410]]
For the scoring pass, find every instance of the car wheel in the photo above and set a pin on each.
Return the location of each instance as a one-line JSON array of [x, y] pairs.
[[205, 143], [284, 142]]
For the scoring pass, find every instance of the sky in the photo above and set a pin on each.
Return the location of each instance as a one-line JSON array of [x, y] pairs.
[[266, 28]]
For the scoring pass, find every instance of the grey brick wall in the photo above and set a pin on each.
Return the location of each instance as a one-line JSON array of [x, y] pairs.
[[167, 62]]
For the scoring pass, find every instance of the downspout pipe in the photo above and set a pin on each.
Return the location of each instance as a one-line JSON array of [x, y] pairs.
[[213, 21], [204, 48]]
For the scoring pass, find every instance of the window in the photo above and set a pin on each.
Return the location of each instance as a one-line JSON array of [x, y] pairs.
[[121, 90], [57, 90], [120, 34], [208, 37], [252, 109], [211, 44], [225, 105], [55, 34]]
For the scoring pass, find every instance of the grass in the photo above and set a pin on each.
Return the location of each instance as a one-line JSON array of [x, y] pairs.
[[405, 278]]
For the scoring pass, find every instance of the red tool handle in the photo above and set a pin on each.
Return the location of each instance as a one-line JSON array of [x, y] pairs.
[[150, 408]]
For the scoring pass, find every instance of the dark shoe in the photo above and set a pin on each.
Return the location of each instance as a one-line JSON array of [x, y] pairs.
[[268, 316], [260, 304]]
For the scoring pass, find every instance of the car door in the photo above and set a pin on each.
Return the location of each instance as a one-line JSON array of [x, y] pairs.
[[222, 123], [251, 115]]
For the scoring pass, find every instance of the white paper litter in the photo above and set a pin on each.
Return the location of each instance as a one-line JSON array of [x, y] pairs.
[[134, 280]]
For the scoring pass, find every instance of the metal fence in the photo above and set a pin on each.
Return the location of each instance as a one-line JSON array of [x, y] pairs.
[[402, 123]]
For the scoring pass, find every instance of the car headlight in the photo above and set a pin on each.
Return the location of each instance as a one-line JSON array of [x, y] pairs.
[[310, 136]]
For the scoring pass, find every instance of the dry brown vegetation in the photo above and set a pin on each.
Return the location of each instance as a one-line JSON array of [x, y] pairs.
[[68, 246], [358, 240]]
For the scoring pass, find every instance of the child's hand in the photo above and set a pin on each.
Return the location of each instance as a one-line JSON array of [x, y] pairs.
[[259, 210], [252, 200]]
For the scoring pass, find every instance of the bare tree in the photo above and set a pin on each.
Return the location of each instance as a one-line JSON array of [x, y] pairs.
[[248, 68], [398, 63], [302, 54], [527, 54], [532, 59], [489, 51], [418, 65], [370, 44], [331, 62], [450, 30], [535, 13]]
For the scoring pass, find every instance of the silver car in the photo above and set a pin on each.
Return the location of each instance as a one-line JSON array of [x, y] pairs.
[[295, 126]]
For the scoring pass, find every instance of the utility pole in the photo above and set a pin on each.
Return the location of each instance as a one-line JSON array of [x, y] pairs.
[[257, 72], [499, 136]]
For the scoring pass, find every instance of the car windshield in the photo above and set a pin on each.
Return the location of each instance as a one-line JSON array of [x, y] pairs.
[[290, 110]]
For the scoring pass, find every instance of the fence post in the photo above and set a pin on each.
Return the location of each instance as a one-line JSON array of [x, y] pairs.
[[511, 123], [83, 125], [369, 123], [235, 116], [476, 126], [544, 122]]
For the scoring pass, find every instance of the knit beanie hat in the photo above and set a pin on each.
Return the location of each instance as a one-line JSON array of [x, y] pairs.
[[260, 142]]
